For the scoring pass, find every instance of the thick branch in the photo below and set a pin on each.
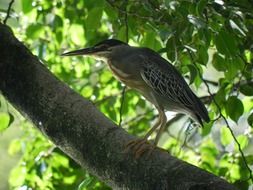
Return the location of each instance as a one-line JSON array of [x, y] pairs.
[[81, 131]]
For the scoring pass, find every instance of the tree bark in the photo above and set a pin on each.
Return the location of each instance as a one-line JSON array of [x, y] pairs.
[[75, 125]]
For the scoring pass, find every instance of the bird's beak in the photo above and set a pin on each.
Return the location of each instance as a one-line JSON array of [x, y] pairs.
[[85, 51]]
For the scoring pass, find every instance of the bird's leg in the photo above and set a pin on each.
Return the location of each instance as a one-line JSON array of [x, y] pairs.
[[141, 141], [139, 146], [163, 124]]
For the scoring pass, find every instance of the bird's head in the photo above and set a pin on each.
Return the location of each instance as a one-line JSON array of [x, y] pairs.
[[101, 50]]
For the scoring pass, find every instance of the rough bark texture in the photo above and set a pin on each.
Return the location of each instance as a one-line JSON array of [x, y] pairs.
[[81, 131]]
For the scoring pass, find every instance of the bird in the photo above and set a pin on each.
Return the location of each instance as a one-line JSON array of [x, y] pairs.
[[155, 78]]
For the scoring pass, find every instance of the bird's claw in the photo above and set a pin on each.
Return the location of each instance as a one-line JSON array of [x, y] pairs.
[[140, 147]]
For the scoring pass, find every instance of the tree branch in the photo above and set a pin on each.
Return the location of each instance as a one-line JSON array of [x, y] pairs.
[[81, 131], [8, 11]]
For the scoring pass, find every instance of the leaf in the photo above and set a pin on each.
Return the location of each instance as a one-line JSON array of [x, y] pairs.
[[243, 141], [170, 46], [85, 183], [57, 22], [202, 55], [234, 108], [14, 147], [246, 89], [219, 62], [232, 69], [92, 22], [27, 6], [78, 34], [4, 121], [200, 6], [234, 26], [193, 73], [199, 23], [35, 31], [225, 43], [226, 137], [250, 120]]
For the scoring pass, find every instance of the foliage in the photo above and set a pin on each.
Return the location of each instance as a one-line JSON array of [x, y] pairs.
[[210, 43]]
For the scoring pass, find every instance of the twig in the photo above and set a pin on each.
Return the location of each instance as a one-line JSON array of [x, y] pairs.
[[124, 88], [121, 105], [8, 11], [134, 14], [224, 118], [126, 21], [185, 145]]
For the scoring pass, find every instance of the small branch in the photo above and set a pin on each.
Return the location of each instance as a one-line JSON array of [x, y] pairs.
[[126, 21], [121, 105], [124, 88], [134, 14], [8, 11], [224, 118]]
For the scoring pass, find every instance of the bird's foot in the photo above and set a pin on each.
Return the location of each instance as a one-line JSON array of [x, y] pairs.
[[140, 147]]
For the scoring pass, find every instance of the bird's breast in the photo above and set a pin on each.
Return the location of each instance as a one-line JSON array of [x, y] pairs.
[[129, 80]]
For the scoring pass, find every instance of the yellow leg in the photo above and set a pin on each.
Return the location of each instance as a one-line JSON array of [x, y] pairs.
[[161, 128], [145, 138], [140, 146]]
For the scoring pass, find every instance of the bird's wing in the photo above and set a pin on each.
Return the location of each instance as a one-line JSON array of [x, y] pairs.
[[164, 79]]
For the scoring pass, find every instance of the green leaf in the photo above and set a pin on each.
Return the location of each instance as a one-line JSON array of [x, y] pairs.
[[234, 26], [77, 34], [14, 147], [170, 46], [34, 31], [246, 89], [232, 69], [193, 72], [202, 55], [219, 62], [27, 6], [226, 43], [94, 18], [197, 22], [4, 121], [200, 6], [234, 108], [243, 141], [250, 120], [85, 183], [226, 137]]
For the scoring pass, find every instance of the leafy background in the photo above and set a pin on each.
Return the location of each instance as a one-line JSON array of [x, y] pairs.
[[209, 41]]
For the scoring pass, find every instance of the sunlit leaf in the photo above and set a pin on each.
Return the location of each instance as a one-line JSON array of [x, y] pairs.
[[243, 141], [4, 121], [14, 147], [77, 34], [226, 137], [27, 6], [34, 31]]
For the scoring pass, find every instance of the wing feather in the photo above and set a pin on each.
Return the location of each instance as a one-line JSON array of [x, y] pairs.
[[166, 81]]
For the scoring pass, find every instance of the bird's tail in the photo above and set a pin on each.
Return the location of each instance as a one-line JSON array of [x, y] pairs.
[[200, 111]]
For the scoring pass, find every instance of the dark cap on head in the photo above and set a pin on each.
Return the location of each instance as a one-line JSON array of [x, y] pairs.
[[111, 43]]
